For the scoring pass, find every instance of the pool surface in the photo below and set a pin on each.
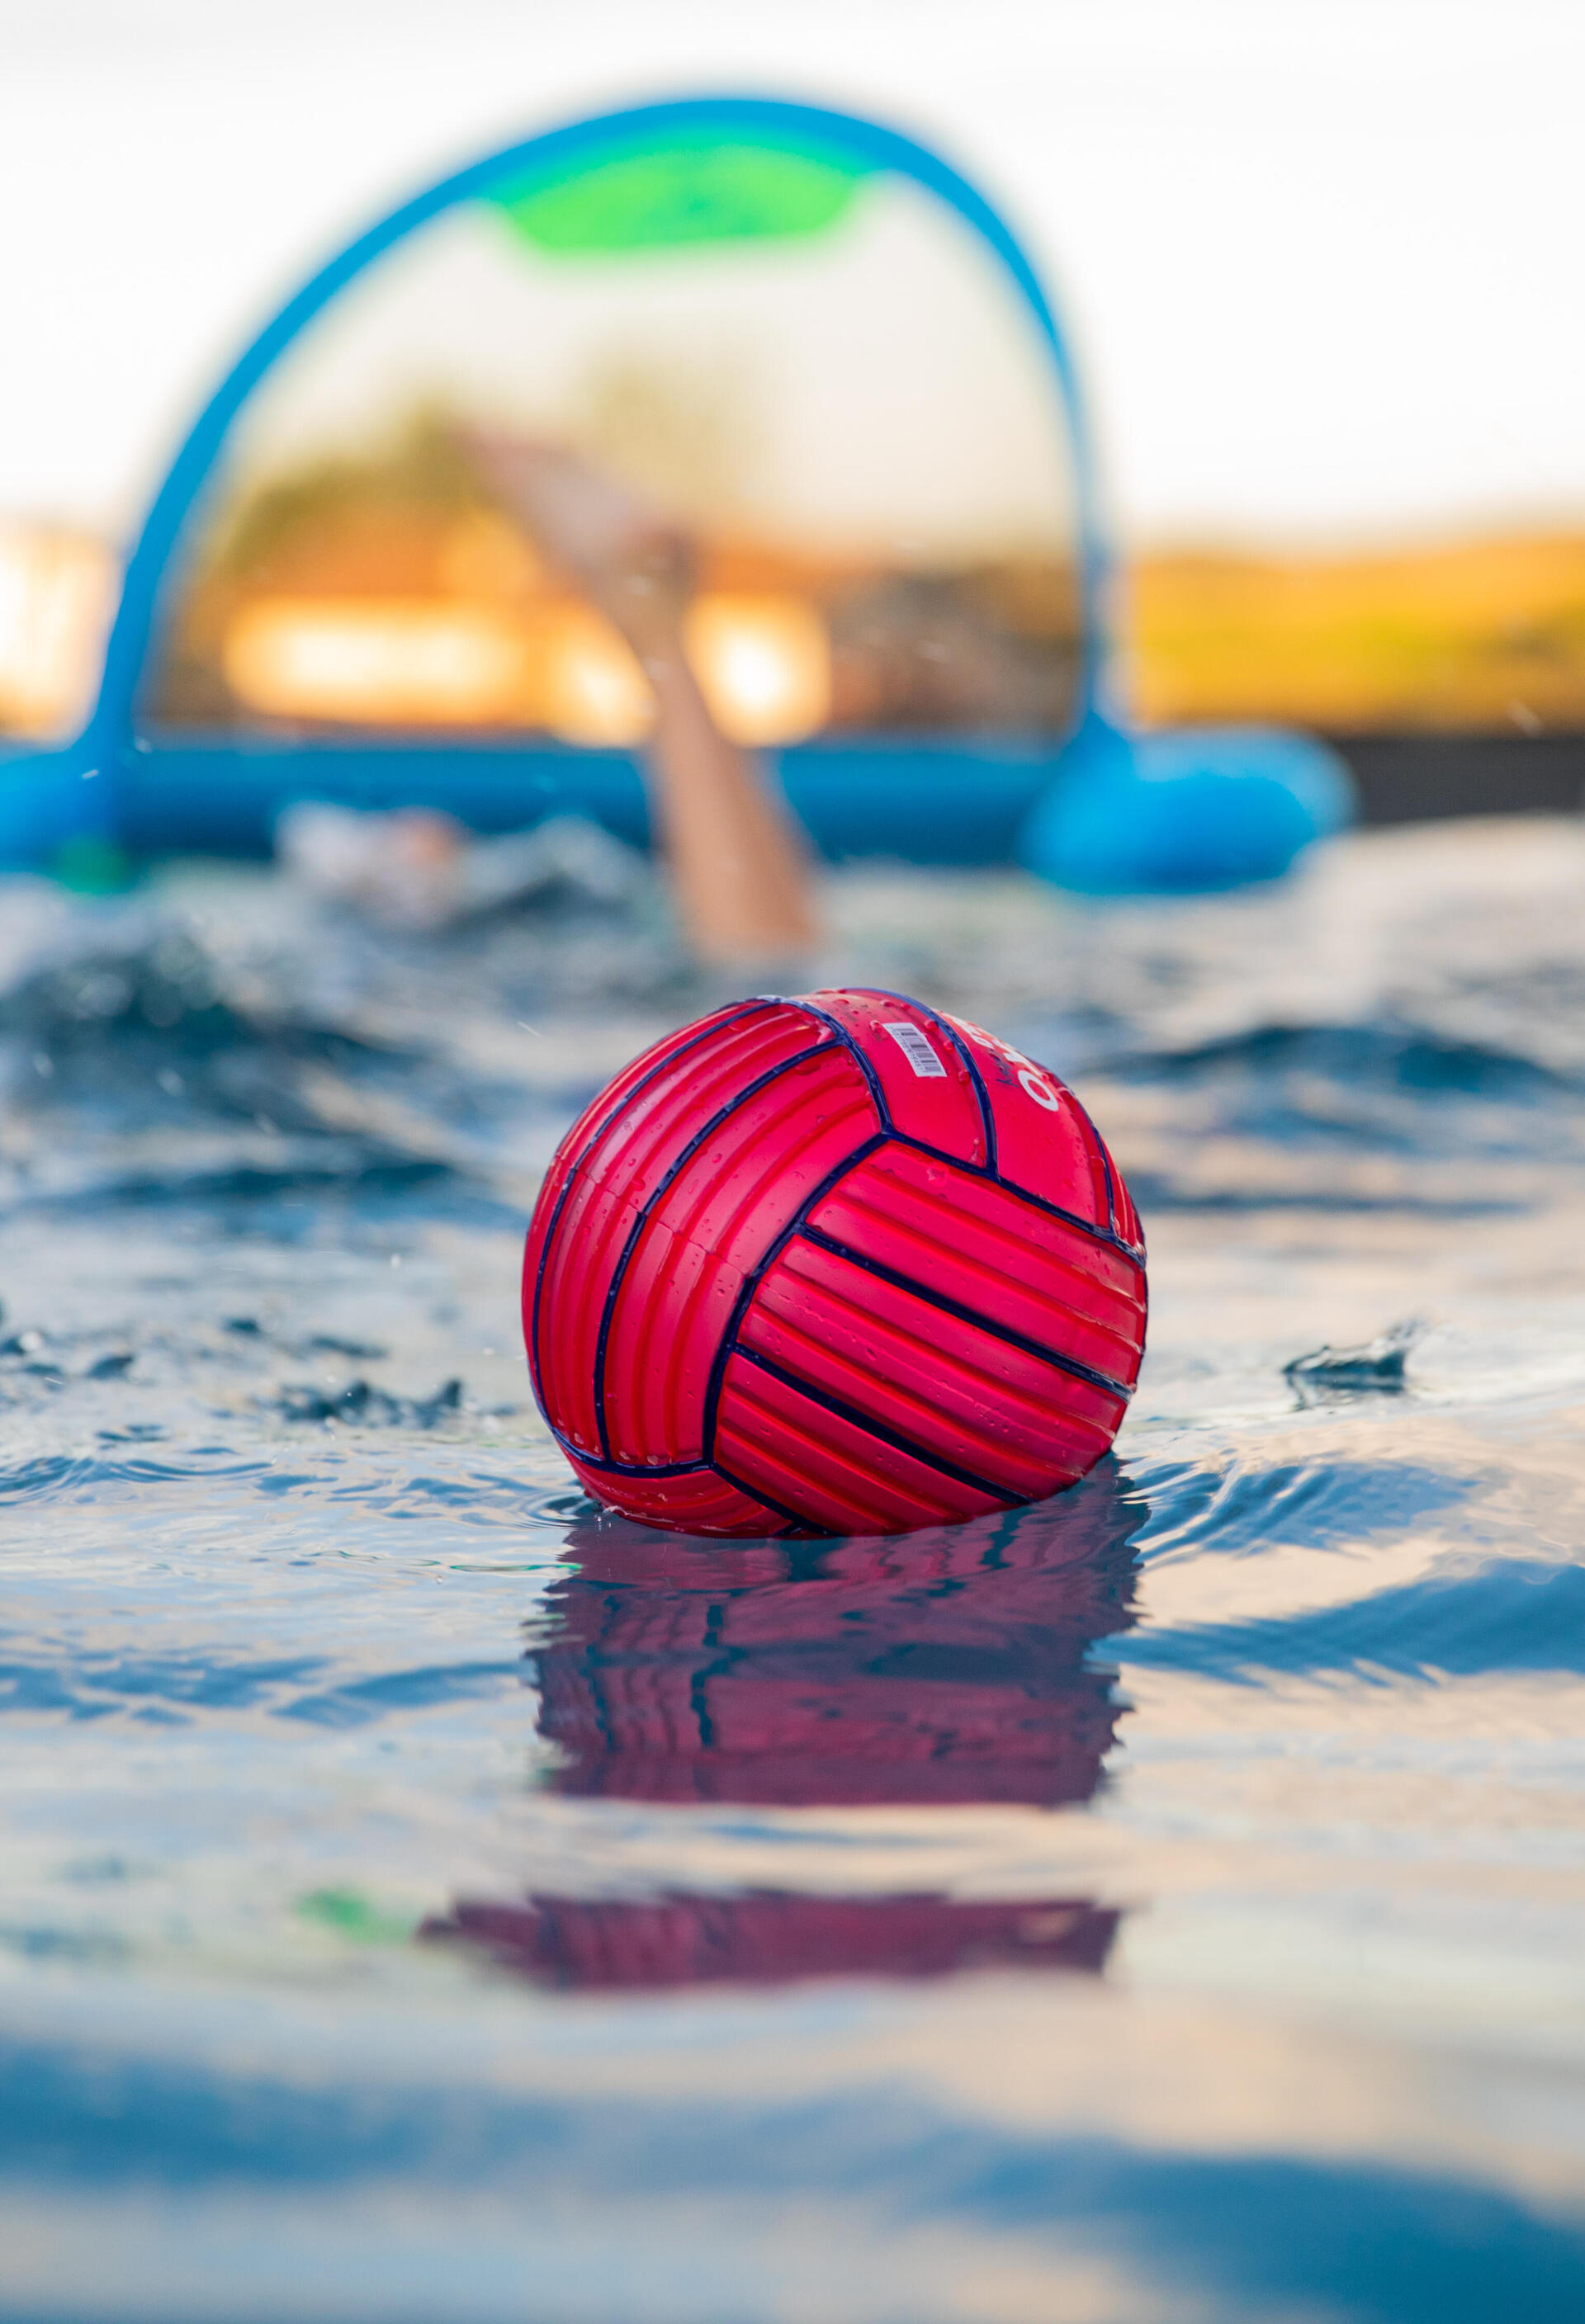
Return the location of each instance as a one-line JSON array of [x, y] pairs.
[[423, 1900]]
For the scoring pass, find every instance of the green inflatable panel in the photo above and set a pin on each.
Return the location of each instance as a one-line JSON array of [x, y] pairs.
[[685, 190]]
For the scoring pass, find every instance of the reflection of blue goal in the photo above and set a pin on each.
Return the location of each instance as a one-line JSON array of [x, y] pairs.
[[1029, 764]]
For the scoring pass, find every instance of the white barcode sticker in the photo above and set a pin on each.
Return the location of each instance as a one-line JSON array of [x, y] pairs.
[[918, 1052]]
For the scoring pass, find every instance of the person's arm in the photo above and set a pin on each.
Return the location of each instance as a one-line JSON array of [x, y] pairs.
[[743, 886]]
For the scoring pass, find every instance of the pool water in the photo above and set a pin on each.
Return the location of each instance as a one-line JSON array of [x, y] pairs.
[[423, 1898]]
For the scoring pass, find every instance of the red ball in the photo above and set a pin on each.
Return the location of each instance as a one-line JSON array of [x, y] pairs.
[[837, 1264]]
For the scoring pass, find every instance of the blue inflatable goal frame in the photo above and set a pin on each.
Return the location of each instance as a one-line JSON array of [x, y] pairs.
[[961, 798]]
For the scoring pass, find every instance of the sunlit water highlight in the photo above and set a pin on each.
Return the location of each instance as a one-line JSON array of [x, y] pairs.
[[424, 1899]]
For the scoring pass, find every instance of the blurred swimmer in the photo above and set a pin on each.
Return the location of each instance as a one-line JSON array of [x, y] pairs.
[[741, 874]]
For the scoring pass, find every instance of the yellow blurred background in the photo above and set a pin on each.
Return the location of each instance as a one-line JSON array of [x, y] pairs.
[[1471, 636]]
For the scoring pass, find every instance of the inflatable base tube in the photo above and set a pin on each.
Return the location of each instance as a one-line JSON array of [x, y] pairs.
[[1185, 813], [923, 801], [51, 802], [1163, 814]]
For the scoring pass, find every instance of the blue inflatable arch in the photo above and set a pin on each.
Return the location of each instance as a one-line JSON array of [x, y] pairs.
[[954, 797]]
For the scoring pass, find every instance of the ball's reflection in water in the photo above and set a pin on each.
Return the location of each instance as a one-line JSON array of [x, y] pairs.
[[944, 1668]]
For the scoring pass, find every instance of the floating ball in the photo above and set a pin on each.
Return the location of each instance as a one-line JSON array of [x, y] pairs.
[[837, 1264]]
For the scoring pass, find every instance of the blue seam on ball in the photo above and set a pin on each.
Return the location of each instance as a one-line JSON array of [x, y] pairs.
[[751, 1492], [1108, 1235], [872, 1078], [987, 1115], [868, 1424], [746, 1009], [1102, 1155], [575, 1452], [752, 1280], [646, 1211], [638, 1470], [966, 1315]]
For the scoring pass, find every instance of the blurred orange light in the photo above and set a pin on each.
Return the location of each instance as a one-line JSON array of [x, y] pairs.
[[57, 594], [594, 690], [387, 661], [763, 664]]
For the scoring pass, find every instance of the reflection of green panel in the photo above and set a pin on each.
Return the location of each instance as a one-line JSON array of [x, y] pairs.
[[686, 191]]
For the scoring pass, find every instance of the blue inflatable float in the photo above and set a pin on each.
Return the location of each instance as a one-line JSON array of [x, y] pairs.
[[826, 357]]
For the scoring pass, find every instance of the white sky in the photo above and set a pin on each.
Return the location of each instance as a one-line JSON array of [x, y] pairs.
[[1320, 257], [884, 383]]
